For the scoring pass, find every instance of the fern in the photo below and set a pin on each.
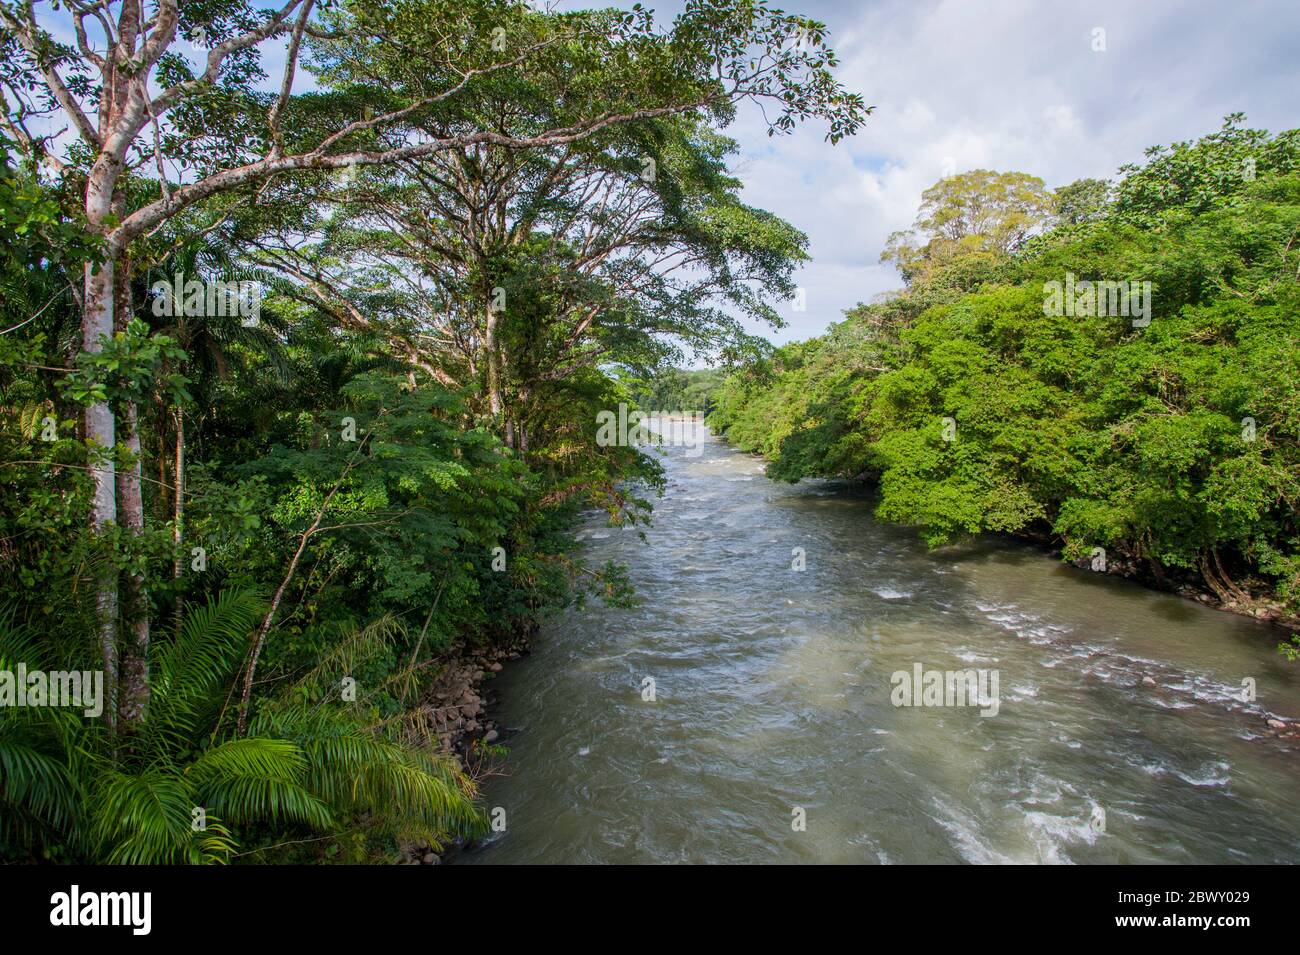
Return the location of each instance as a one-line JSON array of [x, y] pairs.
[[65, 782]]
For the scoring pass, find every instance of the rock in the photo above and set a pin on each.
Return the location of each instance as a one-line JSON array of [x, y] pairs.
[[1147, 681], [471, 726], [430, 859], [1277, 724], [491, 736], [495, 667]]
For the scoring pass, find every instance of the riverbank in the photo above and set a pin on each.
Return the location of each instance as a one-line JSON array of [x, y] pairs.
[[456, 711], [1244, 598], [1247, 603]]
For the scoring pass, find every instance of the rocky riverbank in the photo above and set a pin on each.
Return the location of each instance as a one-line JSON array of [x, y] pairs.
[[456, 708], [1248, 598]]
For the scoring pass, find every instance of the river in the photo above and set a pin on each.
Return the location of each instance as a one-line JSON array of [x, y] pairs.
[[1121, 733]]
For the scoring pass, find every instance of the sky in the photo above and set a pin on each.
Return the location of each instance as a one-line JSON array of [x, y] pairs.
[[1004, 85]]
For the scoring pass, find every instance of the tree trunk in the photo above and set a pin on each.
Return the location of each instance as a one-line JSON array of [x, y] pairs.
[[1207, 574], [495, 404], [178, 517], [135, 658], [1158, 571], [1228, 582], [160, 455], [130, 497], [521, 410], [96, 325], [97, 318]]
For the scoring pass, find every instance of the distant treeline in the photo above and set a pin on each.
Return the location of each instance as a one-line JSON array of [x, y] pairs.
[[677, 390]]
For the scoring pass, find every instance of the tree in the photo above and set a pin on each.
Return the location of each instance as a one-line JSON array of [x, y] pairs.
[[1083, 200], [1174, 446], [135, 102], [1196, 176], [513, 272], [973, 213]]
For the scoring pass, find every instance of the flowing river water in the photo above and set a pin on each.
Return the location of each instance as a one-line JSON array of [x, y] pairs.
[[1121, 734]]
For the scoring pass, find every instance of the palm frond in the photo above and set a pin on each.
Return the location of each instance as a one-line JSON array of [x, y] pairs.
[[202, 658], [19, 642], [258, 780], [36, 791], [64, 779], [354, 769], [145, 818], [355, 649]]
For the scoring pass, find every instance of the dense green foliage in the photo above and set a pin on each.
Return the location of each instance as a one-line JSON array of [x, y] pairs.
[[399, 570], [267, 528], [977, 406], [299, 766]]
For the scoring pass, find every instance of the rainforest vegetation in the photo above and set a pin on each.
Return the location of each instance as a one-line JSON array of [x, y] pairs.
[[301, 358], [309, 310], [1165, 446]]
